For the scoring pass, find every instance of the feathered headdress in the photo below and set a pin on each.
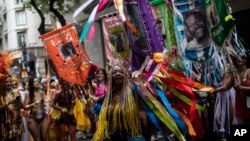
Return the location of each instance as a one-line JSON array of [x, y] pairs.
[[5, 61]]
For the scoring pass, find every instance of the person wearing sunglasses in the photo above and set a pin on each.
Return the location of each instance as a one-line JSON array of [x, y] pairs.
[[11, 125]]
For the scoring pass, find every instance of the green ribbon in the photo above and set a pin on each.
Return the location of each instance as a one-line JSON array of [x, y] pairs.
[[159, 110], [157, 2], [180, 96]]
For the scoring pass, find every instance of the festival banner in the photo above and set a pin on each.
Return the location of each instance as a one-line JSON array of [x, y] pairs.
[[191, 27], [149, 41], [164, 20], [68, 55], [220, 22], [115, 38]]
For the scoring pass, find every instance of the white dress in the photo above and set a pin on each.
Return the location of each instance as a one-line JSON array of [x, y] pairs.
[[224, 111]]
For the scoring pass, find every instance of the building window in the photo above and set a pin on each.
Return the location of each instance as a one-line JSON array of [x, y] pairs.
[[21, 39], [5, 22], [19, 1], [1, 45], [6, 41], [20, 17]]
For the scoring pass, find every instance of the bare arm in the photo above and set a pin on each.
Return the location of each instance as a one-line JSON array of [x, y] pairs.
[[244, 88], [54, 103], [227, 82], [26, 100]]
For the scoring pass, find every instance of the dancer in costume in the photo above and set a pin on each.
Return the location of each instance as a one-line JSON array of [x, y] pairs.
[[118, 119], [37, 120], [82, 112], [64, 104], [242, 86], [11, 126], [224, 111], [23, 93], [55, 89]]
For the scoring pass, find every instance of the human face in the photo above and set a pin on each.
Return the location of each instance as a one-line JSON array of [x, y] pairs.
[[195, 26], [100, 75], [241, 61], [8, 83], [14, 84], [36, 83], [117, 75]]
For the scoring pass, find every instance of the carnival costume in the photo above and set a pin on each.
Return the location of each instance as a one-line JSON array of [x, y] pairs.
[[242, 109], [11, 125], [119, 120]]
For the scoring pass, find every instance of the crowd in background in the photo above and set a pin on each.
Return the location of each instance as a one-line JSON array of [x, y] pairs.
[[52, 109]]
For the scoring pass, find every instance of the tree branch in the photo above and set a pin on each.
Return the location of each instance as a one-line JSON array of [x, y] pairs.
[[41, 28], [59, 16]]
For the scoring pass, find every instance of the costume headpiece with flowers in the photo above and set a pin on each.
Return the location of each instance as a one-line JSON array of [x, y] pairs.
[[119, 62]]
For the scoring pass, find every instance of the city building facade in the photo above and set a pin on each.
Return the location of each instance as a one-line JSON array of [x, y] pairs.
[[19, 35]]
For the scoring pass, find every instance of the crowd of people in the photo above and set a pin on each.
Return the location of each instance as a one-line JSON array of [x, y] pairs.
[[104, 106]]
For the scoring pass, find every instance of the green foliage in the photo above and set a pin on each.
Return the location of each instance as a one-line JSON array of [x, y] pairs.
[[63, 6]]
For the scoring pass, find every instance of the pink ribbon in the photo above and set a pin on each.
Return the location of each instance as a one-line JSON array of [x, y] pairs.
[[101, 6]]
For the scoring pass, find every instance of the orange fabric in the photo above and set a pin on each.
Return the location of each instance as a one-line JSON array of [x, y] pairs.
[[68, 55], [187, 121], [178, 76]]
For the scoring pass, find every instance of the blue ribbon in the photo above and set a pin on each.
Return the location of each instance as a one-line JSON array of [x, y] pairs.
[[150, 114], [89, 23], [180, 123]]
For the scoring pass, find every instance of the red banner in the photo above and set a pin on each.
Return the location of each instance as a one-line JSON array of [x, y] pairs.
[[68, 55]]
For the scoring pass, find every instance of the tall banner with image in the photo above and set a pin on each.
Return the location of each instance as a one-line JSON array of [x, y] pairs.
[[191, 26], [220, 22], [67, 54], [116, 41]]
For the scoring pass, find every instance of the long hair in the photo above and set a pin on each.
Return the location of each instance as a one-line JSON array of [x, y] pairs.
[[3, 88], [31, 88], [124, 114], [104, 73]]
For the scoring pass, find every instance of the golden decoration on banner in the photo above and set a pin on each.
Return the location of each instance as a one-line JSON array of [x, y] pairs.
[[67, 54]]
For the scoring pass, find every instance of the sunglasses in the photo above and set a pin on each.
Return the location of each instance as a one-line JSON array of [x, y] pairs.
[[14, 84]]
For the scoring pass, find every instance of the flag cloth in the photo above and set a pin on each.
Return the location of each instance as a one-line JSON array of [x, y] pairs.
[[191, 27], [67, 54], [115, 38], [220, 23]]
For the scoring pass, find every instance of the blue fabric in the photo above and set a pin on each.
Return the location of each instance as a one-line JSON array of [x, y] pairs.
[[180, 123], [97, 108], [148, 111]]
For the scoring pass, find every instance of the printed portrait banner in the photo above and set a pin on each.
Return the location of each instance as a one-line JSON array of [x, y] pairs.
[[67, 54], [191, 27], [115, 38], [221, 28]]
